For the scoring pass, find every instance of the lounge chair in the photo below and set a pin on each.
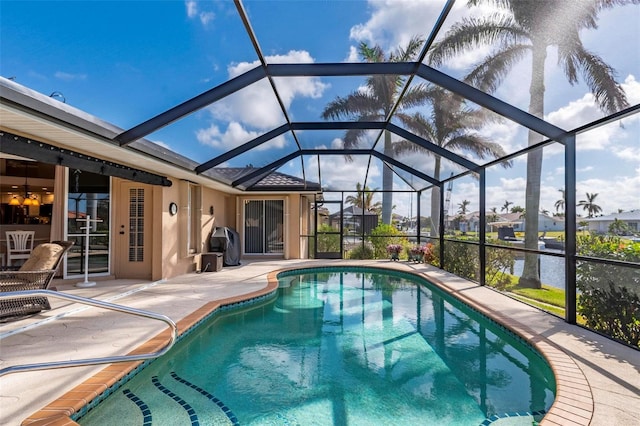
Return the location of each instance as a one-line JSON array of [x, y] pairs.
[[35, 274]]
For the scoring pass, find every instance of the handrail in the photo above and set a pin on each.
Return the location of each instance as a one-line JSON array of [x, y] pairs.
[[90, 361]]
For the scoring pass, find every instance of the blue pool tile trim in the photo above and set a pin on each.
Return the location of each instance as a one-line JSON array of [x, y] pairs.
[[184, 404], [144, 408], [497, 417], [124, 380], [226, 410]]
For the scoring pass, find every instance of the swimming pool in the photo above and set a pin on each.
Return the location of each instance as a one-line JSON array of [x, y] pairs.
[[340, 346]]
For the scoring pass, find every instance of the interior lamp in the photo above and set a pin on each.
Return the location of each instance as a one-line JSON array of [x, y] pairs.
[[14, 201]]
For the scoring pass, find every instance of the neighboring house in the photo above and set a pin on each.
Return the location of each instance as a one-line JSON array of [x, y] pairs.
[[514, 220], [601, 224], [353, 217]]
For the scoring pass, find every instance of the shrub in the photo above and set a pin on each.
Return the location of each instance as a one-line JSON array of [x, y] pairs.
[[384, 235], [612, 310], [361, 252], [462, 259], [328, 242], [609, 307]]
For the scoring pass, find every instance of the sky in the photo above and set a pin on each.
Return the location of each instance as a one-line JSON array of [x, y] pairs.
[[127, 61]]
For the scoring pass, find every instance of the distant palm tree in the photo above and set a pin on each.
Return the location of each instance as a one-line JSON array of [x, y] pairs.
[[589, 205], [364, 199], [451, 124], [505, 206], [530, 27], [375, 104], [462, 207], [559, 205]]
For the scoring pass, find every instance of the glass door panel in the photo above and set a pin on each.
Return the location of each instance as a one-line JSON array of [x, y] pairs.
[[88, 198]]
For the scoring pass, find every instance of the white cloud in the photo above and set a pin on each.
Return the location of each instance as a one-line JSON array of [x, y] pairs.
[[192, 8], [194, 12], [353, 56], [628, 153], [393, 23], [585, 110], [256, 105], [235, 135], [69, 77], [615, 192], [338, 173], [206, 17], [337, 143]]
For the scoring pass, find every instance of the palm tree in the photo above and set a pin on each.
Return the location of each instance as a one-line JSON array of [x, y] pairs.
[[589, 205], [462, 207], [559, 205], [525, 27], [452, 125], [364, 199], [376, 103], [505, 206]]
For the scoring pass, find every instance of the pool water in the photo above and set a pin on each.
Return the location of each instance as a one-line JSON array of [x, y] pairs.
[[340, 346]]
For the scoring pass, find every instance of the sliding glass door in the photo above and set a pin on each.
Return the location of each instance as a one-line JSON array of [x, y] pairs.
[[264, 226], [88, 197]]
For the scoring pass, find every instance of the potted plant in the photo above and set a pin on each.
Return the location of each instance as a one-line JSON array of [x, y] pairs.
[[394, 250], [416, 253]]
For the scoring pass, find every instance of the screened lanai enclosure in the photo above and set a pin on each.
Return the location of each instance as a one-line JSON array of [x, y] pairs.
[[501, 136]]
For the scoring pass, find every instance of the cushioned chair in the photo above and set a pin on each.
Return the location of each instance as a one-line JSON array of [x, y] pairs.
[[35, 274]]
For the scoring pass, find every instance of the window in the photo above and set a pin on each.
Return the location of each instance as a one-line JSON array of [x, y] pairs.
[[190, 218]]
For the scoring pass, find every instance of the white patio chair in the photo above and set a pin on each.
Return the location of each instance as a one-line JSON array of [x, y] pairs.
[[19, 245]]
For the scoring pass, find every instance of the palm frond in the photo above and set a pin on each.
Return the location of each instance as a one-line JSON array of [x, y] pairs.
[[488, 75], [600, 78], [495, 30], [477, 145], [408, 53], [356, 104]]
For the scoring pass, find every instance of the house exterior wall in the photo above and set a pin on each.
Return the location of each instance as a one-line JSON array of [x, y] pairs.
[[174, 259]]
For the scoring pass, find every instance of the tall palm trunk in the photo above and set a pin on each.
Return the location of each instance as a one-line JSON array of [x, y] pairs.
[[387, 182], [530, 273], [435, 201]]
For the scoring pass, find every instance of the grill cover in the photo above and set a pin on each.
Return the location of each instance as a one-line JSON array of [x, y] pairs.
[[226, 241]]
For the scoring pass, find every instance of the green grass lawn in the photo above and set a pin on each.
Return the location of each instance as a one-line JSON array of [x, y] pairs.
[[547, 294]]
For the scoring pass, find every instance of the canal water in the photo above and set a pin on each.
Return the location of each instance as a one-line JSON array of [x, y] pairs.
[[552, 270]]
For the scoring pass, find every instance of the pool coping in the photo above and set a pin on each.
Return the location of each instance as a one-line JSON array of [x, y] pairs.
[[573, 404]]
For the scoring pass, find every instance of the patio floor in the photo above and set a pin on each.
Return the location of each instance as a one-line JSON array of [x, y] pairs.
[[598, 380]]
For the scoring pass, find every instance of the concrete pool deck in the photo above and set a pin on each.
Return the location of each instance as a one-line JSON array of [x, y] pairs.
[[598, 379]]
